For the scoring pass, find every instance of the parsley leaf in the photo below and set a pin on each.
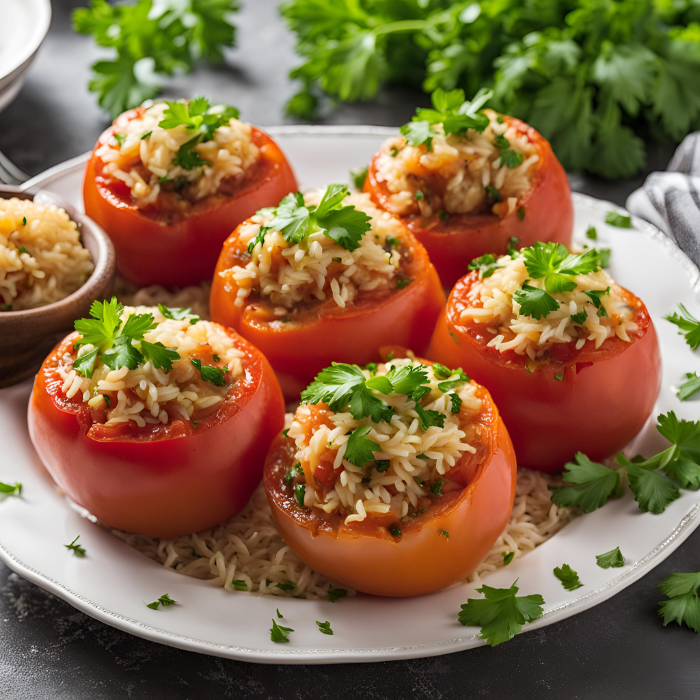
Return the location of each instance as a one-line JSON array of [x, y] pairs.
[[690, 387], [456, 403], [85, 364], [11, 489], [300, 494], [501, 614], [74, 547], [487, 264], [507, 557], [177, 313], [336, 594], [165, 600], [688, 324], [406, 379], [554, 263], [427, 419], [209, 373], [324, 627], [610, 560], [620, 220], [197, 116], [535, 302], [683, 604], [419, 132], [360, 449], [187, 157], [171, 36], [122, 354], [589, 484], [102, 328], [568, 577], [358, 177], [279, 633], [158, 355], [652, 491]]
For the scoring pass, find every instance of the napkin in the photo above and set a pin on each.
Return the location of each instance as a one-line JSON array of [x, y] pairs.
[[671, 200]]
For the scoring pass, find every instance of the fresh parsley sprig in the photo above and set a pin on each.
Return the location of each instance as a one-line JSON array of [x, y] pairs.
[[171, 37], [501, 613], [589, 485], [689, 326], [296, 221], [451, 109]]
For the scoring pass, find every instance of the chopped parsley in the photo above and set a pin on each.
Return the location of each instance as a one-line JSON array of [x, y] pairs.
[[436, 487], [158, 355], [336, 594], [214, 375], [501, 613], [535, 302], [24, 221], [493, 194], [507, 557], [604, 254], [293, 471], [610, 560], [395, 530], [418, 195], [146, 135], [165, 600], [580, 317], [187, 157], [394, 152], [285, 432], [279, 614], [568, 577], [286, 585], [443, 216], [403, 282], [689, 387], [239, 585], [382, 465], [119, 138], [300, 493], [688, 324], [360, 449], [324, 627], [295, 221], [620, 220], [456, 403], [559, 376], [358, 177], [445, 533], [22, 249], [11, 489], [683, 604], [509, 156], [74, 547], [178, 314], [592, 233], [279, 633], [392, 241], [520, 213], [487, 264]]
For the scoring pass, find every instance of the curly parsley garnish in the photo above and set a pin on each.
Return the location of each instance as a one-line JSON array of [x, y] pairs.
[[501, 614]]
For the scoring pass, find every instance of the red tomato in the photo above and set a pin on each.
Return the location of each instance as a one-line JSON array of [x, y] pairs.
[[163, 245], [599, 400], [545, 213], [326, 333], [365, 556], [163, 481]]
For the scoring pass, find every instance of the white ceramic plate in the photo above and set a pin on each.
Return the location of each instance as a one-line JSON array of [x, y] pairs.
[[113, 581], [23, 26]]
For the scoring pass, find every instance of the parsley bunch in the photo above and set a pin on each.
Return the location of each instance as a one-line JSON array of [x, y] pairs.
[[652, 481], [113, 340], [592, 75], [553, 263], [149, 41], [683, 604], [295, 221]]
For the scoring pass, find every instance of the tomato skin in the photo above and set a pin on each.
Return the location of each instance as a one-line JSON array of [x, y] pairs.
[[184, 479], [453, 244], [603, 401], [422, 560], [299, 350], [185, 252]]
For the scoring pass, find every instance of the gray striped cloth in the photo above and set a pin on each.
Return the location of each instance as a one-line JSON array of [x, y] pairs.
[[671, 200]]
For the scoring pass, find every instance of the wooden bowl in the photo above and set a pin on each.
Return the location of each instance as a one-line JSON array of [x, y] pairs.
[[28, 335]]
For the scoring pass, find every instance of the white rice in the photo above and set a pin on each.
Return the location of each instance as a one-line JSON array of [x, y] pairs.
[[148, 395], [464, 166], [491, 302], [318, 268], [359, 492], [142, 161], [41, 257]]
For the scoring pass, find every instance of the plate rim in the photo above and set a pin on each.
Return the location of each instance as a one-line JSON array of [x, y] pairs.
[[687, 524]]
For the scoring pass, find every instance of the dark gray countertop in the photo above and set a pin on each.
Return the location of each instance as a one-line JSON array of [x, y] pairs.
[[49, 650]]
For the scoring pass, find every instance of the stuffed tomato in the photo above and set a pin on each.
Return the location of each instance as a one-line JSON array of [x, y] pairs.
[[325, 277], [169, 183], [156, 422], [397, 483], [466, 181], [571, 358]]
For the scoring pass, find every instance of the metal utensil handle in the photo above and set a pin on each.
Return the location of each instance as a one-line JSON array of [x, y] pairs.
[[10, 174]]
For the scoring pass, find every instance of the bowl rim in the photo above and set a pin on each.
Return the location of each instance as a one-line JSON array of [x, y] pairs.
[[104, 265]]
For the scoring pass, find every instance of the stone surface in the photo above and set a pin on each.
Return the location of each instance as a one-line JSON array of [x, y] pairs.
[[49, 650]]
